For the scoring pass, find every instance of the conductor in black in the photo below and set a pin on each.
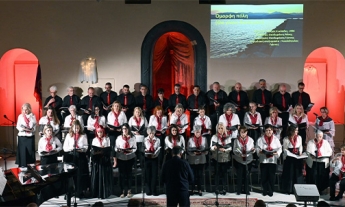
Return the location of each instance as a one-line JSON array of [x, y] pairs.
[[177, 175]]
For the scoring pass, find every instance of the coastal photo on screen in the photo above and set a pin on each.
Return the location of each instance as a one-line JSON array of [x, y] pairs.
[[245, 31]]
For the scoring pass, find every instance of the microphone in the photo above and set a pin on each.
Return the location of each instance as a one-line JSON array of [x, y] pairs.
[[315, 114]]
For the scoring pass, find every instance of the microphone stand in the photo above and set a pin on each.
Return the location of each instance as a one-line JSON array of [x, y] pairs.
[[13, 123], [143, 177], [74, 161], [217, 178]]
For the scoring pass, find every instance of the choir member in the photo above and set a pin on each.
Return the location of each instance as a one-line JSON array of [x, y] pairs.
[[300, 119], [292, 168], [50, 118], [282, 100], [161, 101], [172, 140], [319, 151], [107, 97], [326, 125], [275, 121], [338, 166], [244, 147], [72, 117], [205, 122], [197, 151], [87, 102], [101, 169], [70, 99], [177, 98], [216, 100], [54, 101], [270, 144], [220, 147], [300, 97], [151, 146], [125, 148], [127, 101], [95, 120], [230, 120], [263, 98], [160, 122], [195, 100], [75, 147], [48, 146], [240, 98], [145, 101], [138, 124], [180, 119], [116, 117], [26, 125], [253, 121]]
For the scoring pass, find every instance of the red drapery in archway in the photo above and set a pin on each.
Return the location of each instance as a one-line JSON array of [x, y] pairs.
[[173, 62]]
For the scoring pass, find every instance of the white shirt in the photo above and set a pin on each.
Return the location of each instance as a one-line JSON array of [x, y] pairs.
[[197, 159], [44, 121], [42, 143], [207, 121], [120, 144], [293, 120], [153, 122], [156, 145], [238, 147], [68, 120], [325, 150], [247, 119], [222, 156], [327, 125], [287, 144], [105, 142], [121, 119], [275, 144], [183, 119], [279, 123], [336, 165], [234, 121], [132, 122], [68, 144], [91, 122], [180, 143], [21, 122]]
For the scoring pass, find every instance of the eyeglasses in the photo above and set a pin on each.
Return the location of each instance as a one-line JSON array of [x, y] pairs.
[[124, 128]]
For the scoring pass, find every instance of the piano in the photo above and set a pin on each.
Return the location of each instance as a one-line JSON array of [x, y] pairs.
[[37, 183]]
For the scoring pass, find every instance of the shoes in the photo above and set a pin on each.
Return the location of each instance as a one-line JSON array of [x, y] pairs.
[[238, 193], [334, 198], [155, 194], [122, 195], [191, 193], [248, 193], [270, 194], [129, 194], [264, 194], [223, 192], [149, 194], [200, 193]]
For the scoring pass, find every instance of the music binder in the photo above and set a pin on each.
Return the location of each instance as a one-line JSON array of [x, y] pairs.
[[194, 149], [227, 146], [302, 156], [309, 107], [114, 127], [103, 150]]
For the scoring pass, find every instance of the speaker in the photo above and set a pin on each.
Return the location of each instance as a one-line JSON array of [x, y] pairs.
[[306, 192], [137, 1], [212, 2]]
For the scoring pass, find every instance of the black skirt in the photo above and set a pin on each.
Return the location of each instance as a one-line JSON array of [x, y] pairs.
[[25, 151], [101, 176], [292, 174]]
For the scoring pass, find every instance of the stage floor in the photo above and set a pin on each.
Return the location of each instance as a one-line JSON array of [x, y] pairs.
[[278, 199]]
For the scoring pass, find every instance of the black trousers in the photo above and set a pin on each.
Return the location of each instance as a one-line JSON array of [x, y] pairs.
[[180, 198], [318, 175], [221, 173], [25, 151], [292, 174], [332, 182], [125, 171], [268, 175], [242, 176], [198, 175], [151, 174]]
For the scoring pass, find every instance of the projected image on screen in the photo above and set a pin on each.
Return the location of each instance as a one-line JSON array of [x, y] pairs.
[[244, 31]]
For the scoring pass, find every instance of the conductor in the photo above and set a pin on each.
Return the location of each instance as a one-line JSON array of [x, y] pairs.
[[177, 174]]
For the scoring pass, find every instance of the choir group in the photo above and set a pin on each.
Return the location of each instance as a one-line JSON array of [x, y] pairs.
[[114, 130]]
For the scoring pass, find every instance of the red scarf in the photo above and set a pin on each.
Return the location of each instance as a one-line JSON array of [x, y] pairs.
[[322, 120], [342, 170], [126, 139], [49, 146], [298, 120], [152, 145], [137, 121], [159, 122], [222, 138], [228, 119], [96, 125], [269, 142], [203, 126], [274, 121], [253, 118], [116, 122], [72, 119], [174, 140], [49, 120], [100, 139], [197, 141], [27, 121], [294, 142], [178, 121], [244, 146], [318, 146], [76, 138]]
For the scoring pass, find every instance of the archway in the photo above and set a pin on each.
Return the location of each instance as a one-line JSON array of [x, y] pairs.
[[196, 40], [324, 77], [20, 83]]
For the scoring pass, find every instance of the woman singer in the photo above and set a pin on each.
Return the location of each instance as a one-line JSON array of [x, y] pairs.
[[49, 146]]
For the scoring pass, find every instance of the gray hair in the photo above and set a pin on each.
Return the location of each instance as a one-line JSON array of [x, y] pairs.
[[151, 129], [27, 105], [319, 132], [53, 88], [197, 128], [179, 106], [228, 106], [70, 87], [72, 107]]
